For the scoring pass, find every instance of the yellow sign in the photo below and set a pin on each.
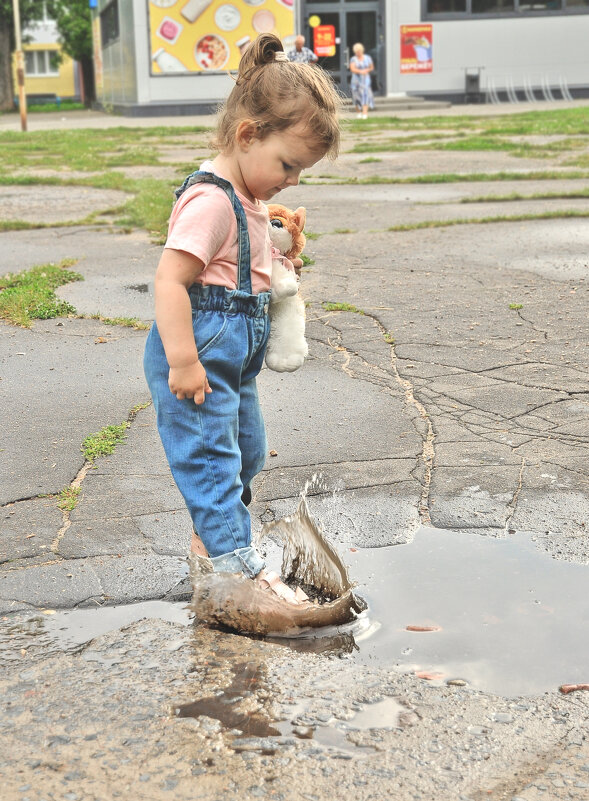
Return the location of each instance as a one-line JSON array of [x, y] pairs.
[[314, 21], [203, 36]]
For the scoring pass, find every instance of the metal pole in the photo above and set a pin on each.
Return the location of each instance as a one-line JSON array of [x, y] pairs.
[[20, 67]]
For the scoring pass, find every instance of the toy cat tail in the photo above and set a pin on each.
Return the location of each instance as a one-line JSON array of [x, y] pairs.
[[287, 347]]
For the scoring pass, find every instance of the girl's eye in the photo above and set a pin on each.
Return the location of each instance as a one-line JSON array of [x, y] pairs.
[[286, 166]]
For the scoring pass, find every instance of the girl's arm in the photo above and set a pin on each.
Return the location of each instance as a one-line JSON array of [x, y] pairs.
[[176, 272]]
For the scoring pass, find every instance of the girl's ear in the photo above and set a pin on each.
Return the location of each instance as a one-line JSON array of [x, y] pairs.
[[246, 134]]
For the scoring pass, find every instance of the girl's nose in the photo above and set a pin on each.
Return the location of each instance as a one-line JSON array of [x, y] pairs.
[[293, 180]]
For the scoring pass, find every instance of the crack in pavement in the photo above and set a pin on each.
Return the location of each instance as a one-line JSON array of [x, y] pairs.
[[427, 455]]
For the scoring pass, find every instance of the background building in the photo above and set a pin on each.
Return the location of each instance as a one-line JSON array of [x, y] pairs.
[[46, 75], [173, 56]]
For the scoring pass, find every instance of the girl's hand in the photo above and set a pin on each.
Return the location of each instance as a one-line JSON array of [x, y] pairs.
[[189, 381]]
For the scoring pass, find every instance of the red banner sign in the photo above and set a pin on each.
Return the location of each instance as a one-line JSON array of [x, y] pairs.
[[416, 48], [324, 40]]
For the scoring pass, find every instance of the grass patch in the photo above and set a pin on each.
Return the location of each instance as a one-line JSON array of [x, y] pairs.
[[548, 215], [68, 498], [369, 160], [124, 322], [347, 307], [458, 177], [30, 295], [487, 220], [104, 441]]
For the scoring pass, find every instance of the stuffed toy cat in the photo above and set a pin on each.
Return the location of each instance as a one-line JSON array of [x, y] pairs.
[[287, 347]]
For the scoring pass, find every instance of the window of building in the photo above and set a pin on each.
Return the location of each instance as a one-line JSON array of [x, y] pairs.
[[109, 23], [497, 8], [41, 62]]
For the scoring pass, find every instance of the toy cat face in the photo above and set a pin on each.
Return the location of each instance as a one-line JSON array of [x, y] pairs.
[[286, 229]]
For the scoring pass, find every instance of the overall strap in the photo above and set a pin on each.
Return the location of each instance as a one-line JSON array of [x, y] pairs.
[[244, 279]]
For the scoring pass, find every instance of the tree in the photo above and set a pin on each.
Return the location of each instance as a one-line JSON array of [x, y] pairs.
[[30, 10], [74, 23]]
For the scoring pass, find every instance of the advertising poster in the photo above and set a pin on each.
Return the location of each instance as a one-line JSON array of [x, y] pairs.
[[324, 40], [416, 48], [203, 36]]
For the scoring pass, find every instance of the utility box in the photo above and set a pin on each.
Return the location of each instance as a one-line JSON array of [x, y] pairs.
[[472, 85]]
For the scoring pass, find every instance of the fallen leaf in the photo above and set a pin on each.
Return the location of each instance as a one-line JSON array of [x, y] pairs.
[[570, 688], [273, 453], [423, 628], [429, 676], [100, 340]]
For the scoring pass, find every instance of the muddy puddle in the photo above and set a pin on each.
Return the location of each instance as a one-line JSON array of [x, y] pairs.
[[497, 615]]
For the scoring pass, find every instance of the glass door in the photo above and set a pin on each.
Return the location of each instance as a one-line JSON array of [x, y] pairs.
[[354, 21]]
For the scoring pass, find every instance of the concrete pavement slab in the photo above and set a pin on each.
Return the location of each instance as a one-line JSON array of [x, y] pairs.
[[56, 203], [62, 380]]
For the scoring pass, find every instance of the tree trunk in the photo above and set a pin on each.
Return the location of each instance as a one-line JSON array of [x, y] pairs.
[[6, 84], [87, 65]]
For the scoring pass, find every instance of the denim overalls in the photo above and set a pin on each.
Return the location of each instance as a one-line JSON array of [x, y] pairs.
[[215, 449]]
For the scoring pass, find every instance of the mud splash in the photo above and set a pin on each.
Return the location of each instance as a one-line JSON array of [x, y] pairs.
[[308, 560]]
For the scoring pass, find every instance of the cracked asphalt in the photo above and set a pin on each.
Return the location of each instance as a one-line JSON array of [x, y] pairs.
[[451, 394]]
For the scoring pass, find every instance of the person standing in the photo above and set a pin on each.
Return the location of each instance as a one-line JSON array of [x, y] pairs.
[[361, 65], [301, 53], [212, 291]]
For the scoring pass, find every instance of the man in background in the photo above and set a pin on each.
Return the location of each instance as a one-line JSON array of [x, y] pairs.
[[301, 53]]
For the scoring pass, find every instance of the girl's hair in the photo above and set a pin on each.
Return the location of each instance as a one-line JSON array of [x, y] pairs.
[[277, 94]]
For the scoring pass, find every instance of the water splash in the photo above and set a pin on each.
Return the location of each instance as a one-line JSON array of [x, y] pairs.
[[237, 602]]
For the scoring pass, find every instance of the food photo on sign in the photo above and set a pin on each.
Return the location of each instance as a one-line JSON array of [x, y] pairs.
[[195, 36]]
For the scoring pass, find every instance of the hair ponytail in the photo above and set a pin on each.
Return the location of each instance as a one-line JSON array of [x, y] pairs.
[[278, 94], [261, 51]]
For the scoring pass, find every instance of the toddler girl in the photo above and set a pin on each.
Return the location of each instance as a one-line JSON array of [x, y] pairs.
[[212, 290]]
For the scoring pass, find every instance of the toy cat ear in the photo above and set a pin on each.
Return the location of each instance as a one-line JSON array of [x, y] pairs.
[[300, 216]]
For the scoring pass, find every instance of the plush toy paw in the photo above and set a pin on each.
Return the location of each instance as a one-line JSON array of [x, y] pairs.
[[285, 363]]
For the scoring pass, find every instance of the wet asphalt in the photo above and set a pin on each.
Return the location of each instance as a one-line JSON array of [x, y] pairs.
[[429, 402]]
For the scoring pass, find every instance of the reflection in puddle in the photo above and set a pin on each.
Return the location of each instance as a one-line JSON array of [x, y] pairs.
[[513, 621], [78, 626], [227, 707]]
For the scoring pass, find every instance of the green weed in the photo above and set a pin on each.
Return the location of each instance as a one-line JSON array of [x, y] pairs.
[[68, 498], [347, 307], [104, 441], [30, 295]]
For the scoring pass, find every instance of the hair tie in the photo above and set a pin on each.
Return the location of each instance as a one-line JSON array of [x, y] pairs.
[[280, 55]]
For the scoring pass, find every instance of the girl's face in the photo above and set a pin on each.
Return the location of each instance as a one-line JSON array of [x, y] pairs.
[[266, 166]]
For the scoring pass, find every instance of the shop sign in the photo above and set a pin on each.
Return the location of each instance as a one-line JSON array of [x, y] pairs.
[[200, 36], [416, 48], [324, 40]]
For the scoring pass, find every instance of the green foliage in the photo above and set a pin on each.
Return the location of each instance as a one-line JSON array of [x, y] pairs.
[[104, 441], [347, 307], [68, 498], [30, 295], [30, 10], [74, 23], [516, 306]]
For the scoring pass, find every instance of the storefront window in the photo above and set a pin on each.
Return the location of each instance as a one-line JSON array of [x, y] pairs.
[[540, 5], [492, 6], [109, 23], [446, 6], [499, 7]]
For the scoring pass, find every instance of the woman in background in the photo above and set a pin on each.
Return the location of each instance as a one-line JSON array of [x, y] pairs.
[[361, 65]]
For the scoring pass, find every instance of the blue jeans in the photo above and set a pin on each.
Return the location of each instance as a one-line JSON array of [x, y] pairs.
[[216, 448]]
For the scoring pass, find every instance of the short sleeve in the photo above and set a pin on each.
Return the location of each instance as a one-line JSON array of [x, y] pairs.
[[202, 222]]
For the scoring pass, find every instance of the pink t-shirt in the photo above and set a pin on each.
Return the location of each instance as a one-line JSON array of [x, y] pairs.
[[203, 223]]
